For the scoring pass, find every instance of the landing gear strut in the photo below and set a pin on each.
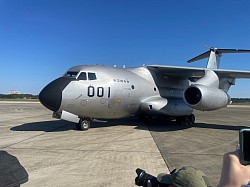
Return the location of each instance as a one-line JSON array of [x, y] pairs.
[[187, 120], [83, 124]]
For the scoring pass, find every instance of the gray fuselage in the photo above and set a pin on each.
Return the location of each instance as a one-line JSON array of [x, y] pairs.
[[95, 91]]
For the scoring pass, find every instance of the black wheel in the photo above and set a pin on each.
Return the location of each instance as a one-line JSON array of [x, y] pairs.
[[180, 120], [191, 119], [83, 124]]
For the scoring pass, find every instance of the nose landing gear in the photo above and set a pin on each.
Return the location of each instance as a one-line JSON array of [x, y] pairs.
[[83, 124]]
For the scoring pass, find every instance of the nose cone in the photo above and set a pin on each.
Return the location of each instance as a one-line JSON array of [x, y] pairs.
[[51, 95]]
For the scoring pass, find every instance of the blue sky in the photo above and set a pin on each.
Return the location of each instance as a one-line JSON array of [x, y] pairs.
[[41, 39]]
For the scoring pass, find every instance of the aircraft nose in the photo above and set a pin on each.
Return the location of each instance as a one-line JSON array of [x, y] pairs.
[[51, 95]]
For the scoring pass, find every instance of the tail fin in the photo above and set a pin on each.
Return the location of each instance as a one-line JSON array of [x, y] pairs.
[[214, 55]]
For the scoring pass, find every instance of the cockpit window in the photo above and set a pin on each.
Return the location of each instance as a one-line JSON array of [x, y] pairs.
[[71, 74], [91, 76], [82, 76]]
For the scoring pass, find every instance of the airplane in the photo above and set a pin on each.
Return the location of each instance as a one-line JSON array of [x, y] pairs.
[[88, 92]]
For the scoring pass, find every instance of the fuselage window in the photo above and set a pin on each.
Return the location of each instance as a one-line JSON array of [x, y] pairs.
[[71, 74], [91, 76], [82, 76]]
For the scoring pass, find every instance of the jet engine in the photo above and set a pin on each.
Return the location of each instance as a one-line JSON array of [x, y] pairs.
[[205, 98]]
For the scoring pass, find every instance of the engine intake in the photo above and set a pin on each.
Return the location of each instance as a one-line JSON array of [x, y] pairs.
[[204, 98]]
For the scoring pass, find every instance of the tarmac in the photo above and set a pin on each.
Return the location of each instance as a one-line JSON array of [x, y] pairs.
[[54, 153]]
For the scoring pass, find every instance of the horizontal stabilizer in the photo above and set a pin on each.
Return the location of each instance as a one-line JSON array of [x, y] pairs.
[[217, 52]]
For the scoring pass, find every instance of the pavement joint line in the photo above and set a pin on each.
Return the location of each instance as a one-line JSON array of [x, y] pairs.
[[8, 146], [168, 167]]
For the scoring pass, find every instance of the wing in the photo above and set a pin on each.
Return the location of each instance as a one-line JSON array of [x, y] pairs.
[[192, 72]]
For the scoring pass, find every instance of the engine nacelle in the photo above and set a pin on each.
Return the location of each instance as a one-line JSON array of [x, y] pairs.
[[204, 98]]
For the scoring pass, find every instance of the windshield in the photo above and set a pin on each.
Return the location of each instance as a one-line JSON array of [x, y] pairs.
[[71, 74], [83, 76], [91, 76]]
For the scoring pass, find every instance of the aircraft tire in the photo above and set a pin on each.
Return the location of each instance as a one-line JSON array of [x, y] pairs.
[[83, 125], [187, 120], [191, 119], [181, 120], [178, 120]]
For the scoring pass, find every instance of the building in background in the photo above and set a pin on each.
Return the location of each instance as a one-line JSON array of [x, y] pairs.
[[13, 92]]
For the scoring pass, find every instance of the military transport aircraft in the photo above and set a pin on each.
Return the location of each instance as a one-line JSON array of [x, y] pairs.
[[88, 92]]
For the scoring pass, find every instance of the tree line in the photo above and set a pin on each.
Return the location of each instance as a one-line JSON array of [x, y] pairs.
[[18, 96], [240, 100]]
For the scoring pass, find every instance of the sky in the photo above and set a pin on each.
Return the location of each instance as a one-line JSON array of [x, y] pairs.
[[41, 39]]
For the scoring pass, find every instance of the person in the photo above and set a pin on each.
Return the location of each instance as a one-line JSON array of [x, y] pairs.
[[184, 177], [233, 173]]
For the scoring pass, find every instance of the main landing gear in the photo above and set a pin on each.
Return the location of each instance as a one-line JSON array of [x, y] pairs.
[[187, 120], [83, 124]]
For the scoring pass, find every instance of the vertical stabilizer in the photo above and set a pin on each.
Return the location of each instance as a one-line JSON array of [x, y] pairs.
[[214, 59]]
